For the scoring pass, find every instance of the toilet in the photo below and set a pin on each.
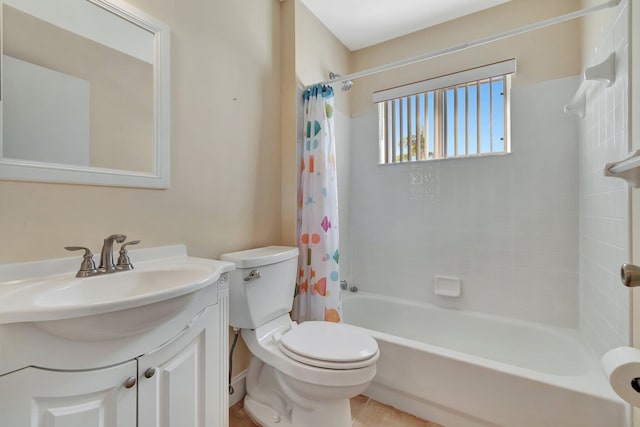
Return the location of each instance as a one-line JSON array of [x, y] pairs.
[[300, 375]]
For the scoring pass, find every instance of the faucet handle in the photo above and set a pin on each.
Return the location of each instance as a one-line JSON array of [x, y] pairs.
[[87, 267], [117, 237], [133, 242], [124, 263]]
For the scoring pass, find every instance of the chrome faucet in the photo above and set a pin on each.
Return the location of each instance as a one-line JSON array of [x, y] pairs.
[[106, 254], [88, 267]]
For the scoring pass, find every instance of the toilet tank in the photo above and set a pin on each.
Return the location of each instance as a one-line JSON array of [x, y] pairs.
[[262, 286]]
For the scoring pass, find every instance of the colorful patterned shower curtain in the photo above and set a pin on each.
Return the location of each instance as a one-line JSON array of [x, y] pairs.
[[318, 283]]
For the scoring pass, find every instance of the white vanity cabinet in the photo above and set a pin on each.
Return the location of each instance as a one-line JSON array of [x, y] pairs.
[[175, 385], [38, 397], [179, 383], [160, 364]]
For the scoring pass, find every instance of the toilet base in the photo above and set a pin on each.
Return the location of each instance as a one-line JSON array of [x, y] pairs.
[[263, 415]]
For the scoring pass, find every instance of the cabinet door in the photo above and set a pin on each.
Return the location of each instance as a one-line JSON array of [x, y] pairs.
[[38, 397], [179, 383]]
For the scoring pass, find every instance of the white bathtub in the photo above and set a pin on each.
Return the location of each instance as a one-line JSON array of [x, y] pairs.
[[468, 369]]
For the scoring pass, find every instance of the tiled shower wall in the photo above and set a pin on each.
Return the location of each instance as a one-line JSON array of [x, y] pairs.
[[518, 228], [604, 201], [506, 225]]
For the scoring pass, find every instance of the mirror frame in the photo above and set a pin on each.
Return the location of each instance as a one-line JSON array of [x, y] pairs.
[[24, 170]]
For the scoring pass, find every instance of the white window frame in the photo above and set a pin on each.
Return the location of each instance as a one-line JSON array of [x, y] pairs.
[[438, 87]]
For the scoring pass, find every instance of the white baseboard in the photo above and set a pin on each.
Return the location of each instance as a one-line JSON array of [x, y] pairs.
[[239, 387]]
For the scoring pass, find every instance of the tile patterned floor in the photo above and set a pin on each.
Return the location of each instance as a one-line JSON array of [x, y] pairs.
[[365, 412]]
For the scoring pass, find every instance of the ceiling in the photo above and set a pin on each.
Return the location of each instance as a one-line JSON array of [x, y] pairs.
[[362, 23]]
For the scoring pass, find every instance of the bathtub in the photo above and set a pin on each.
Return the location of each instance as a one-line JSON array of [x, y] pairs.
[[469, 369]]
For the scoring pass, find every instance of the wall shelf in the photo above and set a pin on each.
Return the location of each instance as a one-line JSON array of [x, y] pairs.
[[605, 72], [627, 169]]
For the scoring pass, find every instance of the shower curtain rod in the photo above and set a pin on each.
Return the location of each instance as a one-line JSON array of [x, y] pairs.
[[463, 46]]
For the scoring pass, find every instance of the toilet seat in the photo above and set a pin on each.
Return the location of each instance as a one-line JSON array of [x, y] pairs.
[[264, 344], [329, 345]]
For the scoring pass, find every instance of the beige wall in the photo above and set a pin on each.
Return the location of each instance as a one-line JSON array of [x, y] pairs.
[[225, 149], [545, 54], [289, 99]]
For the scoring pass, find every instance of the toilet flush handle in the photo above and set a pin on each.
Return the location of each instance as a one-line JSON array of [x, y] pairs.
[[253, 275]]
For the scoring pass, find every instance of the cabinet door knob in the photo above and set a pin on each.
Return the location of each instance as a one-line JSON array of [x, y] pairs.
[[149, 372], [130, 382]]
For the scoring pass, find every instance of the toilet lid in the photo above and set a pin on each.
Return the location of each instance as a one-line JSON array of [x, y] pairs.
[[330, 345]]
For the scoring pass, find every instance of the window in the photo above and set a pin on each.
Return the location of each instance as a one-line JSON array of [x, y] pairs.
[[464, 114]]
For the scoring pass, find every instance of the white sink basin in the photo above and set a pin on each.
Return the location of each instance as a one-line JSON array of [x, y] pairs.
[[104, 306], [125, 286]]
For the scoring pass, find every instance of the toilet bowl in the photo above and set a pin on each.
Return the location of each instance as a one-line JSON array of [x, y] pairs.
[[300, 375]]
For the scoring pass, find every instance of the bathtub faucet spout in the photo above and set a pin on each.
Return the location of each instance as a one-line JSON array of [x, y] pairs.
[[344, 286]]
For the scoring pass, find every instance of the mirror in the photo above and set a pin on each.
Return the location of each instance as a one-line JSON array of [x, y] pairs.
[[85, 94]]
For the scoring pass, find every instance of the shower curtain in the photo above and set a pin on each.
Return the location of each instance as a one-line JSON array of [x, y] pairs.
[[318, 281]]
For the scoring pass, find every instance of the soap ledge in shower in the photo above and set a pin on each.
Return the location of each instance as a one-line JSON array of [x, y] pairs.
[[447, 286]]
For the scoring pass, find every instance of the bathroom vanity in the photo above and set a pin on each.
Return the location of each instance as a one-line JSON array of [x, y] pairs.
[[145, 347]]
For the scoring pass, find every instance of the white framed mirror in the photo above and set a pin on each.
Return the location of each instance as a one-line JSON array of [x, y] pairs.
[[84, 93]]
